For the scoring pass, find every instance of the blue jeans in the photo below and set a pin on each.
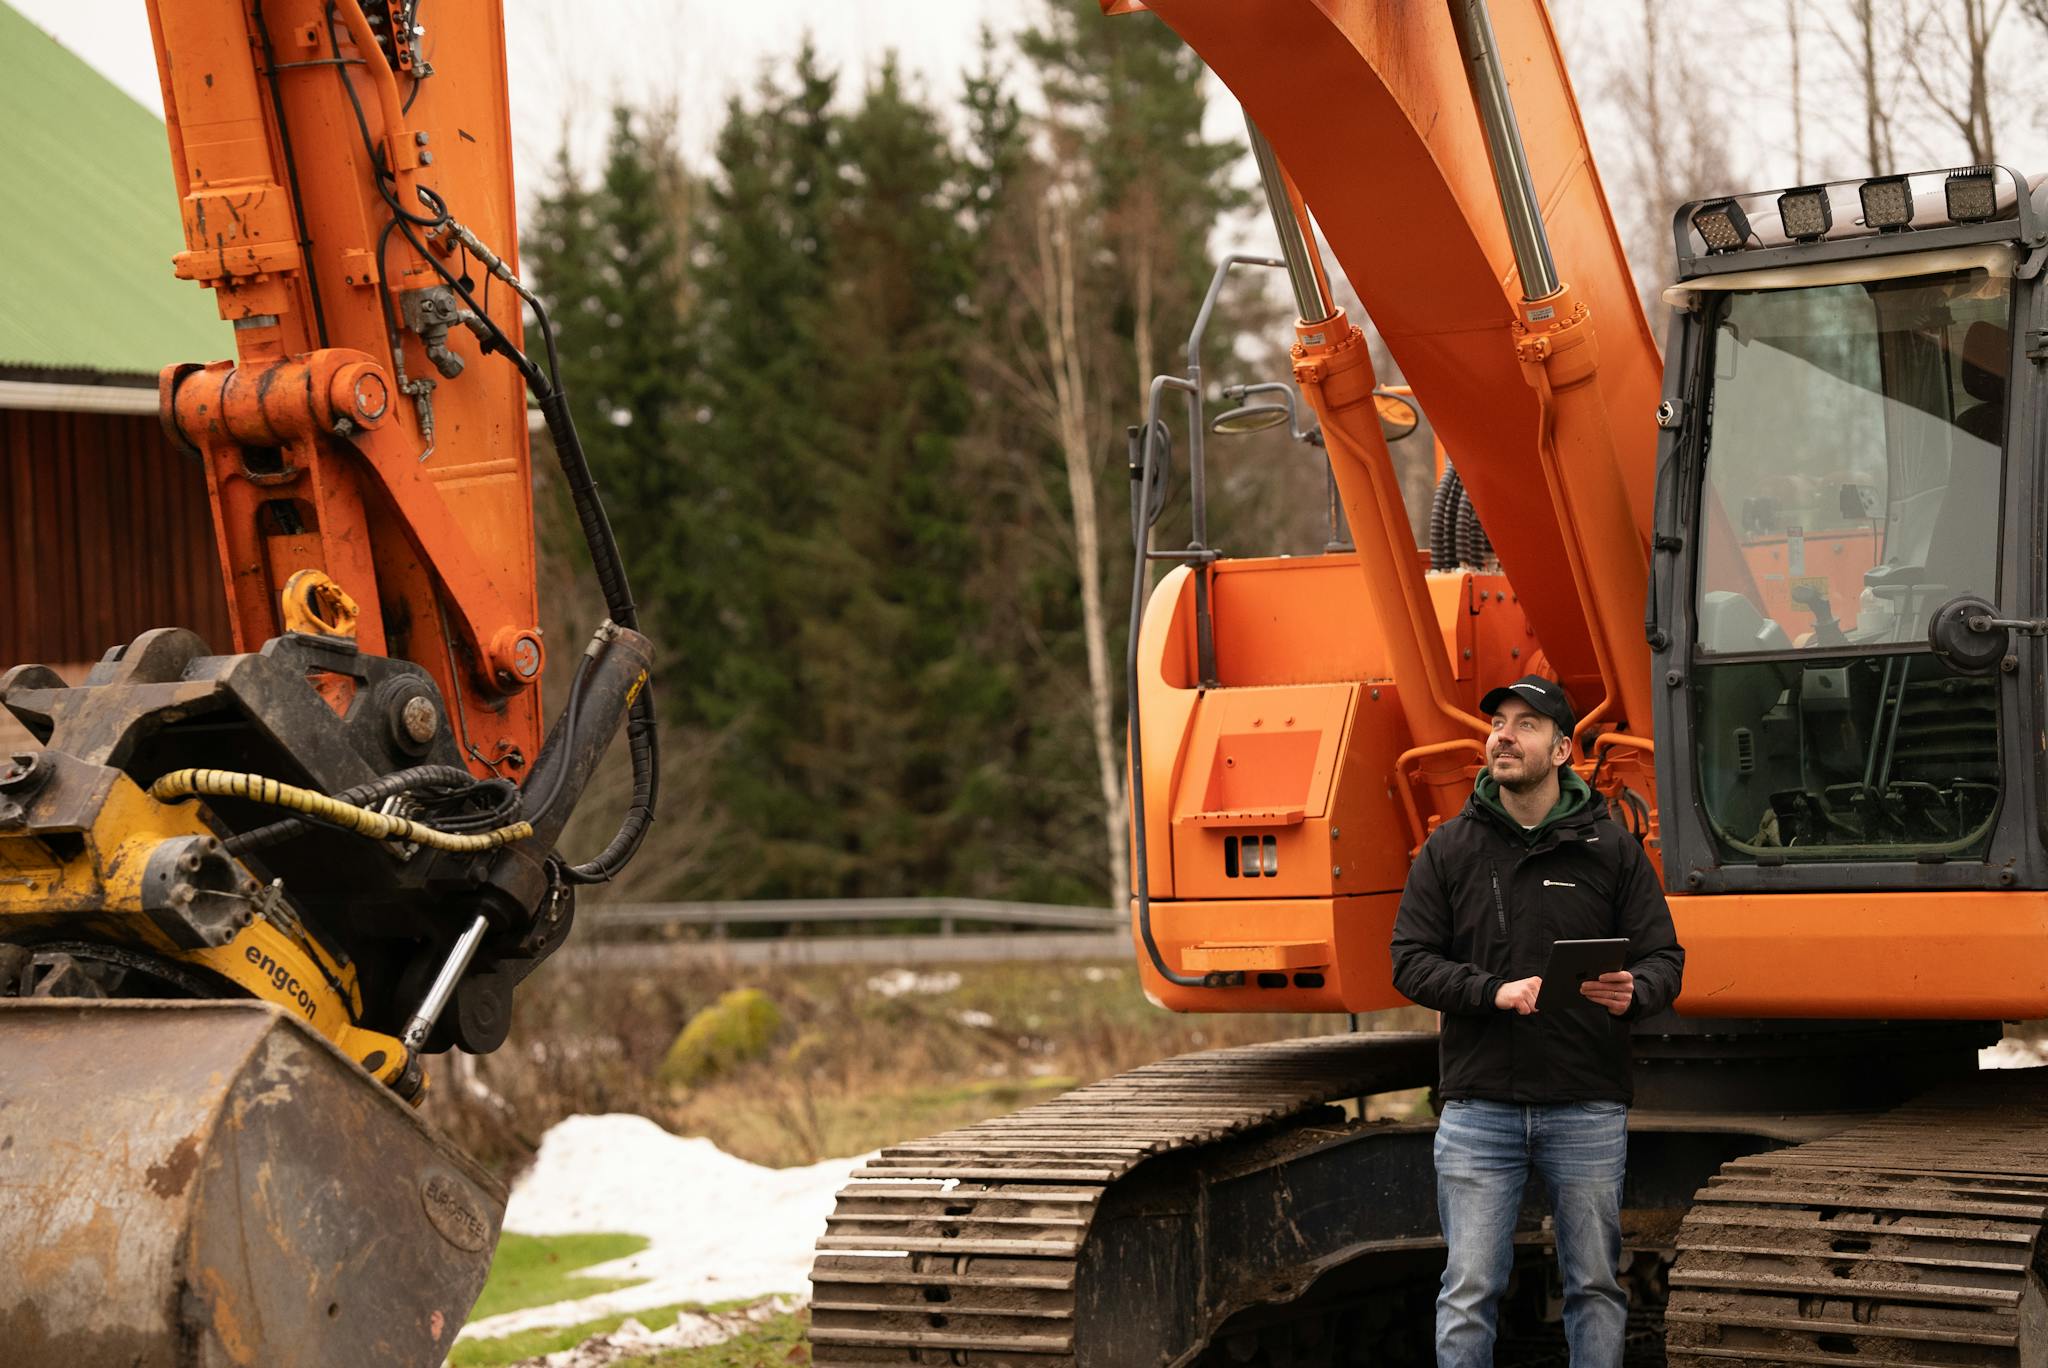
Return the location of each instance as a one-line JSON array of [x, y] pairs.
[[1484, 1151]]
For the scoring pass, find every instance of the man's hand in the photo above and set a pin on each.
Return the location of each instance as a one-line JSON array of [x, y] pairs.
[[1613, 991], [1519, 996]]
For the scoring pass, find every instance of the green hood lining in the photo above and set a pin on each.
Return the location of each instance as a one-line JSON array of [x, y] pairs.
[[1574, 796]]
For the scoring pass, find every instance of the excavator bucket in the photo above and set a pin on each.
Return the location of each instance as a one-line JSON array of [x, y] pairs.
[[205, 1184]]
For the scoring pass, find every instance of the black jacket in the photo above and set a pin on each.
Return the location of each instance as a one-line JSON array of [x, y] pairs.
[[1484, 901]]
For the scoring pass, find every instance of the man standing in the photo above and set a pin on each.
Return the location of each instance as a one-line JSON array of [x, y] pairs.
[[1532, 859]]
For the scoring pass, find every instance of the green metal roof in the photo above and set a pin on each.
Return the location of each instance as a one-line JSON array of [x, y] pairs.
[[85, 249]]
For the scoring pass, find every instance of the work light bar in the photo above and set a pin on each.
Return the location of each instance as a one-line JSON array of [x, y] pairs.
[[1777, 227]]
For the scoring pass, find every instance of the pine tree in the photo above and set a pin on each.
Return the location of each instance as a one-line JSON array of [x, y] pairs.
[[608, 262]]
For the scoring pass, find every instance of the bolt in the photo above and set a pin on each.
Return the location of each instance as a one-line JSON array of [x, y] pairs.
[[526, 658], [419, 717], [1693, 878], [1335, 833], [1514, 652], [1673, 678], [1336, 871], [426, 159], [1375, 695], [189, 862], [24, 770], [420, 138]]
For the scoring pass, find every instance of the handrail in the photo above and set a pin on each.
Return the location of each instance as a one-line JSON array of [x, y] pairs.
[[807, 911]]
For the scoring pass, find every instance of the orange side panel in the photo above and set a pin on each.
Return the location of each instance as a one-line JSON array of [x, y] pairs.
[[1356, 976], [1263, 753], [1294, 620], [1973, 956]]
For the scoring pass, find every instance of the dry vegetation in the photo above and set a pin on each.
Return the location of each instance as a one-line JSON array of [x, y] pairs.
[[864, 1056]]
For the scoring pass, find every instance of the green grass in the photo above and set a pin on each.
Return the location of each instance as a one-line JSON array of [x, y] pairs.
[[534, 1270], [784, 1330], [776, 1343]]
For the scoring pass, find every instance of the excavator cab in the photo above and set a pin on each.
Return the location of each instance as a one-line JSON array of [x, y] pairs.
[[1835, 480]]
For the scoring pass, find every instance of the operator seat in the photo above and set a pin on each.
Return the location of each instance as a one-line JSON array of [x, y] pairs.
[[1985, 346]]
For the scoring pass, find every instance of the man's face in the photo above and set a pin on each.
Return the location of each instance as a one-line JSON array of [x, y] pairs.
[[1525, 747]]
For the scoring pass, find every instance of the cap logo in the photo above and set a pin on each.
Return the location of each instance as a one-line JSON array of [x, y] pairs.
[[1530, 687]]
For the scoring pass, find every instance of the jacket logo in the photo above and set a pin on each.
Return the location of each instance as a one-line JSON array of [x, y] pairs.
[[1558, 883]]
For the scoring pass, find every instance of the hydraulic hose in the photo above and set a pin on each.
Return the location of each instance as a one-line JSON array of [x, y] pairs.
[[378, 826], [362, 795], [642, 738]]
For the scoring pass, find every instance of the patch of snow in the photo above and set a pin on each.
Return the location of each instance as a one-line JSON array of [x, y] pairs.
[[719, 1228], [2013, 1052], [897, 982]]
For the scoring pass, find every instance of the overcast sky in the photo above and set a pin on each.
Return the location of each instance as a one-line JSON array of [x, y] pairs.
[[570, 62]]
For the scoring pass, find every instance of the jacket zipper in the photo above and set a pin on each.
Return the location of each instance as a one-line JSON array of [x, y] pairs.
[[1500, 911]]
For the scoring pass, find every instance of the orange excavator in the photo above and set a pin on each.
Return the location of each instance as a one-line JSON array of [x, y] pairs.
[[244, 896], [1793, 581]]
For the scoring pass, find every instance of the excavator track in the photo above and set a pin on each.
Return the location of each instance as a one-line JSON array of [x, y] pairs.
[[1910, 1241], [990, 1245]]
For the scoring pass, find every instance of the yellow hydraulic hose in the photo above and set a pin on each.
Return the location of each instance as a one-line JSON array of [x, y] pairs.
[[213, 783]]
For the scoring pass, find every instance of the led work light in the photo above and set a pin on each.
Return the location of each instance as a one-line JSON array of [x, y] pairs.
[[1805, 213], [1887, 202], [1972, 195], [1721, 224]]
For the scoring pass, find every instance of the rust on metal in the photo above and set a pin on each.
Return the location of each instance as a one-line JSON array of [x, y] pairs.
[[1912, 1239], [213, 1185], [979, 1246]]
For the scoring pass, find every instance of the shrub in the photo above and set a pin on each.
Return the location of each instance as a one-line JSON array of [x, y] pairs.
[[734, 1030]]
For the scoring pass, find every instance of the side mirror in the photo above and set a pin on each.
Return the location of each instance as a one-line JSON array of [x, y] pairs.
[[1250, 418], [1967, 635], [1398, 417], [1257, 417]]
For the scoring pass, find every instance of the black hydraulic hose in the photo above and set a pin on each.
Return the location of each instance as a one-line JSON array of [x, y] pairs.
[[1443, 508], [642, 735], [1141, 882], [641, 730], [375, 791]]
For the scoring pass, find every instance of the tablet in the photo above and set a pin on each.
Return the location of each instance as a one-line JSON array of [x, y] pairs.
[[1572, 962]]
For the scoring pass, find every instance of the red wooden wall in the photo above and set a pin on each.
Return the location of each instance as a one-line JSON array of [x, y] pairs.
[[104, 533]]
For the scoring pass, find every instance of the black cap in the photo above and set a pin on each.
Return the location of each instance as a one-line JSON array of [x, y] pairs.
[[1544, 695]]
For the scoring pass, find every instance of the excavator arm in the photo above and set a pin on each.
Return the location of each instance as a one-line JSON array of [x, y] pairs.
[[274, 880]]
